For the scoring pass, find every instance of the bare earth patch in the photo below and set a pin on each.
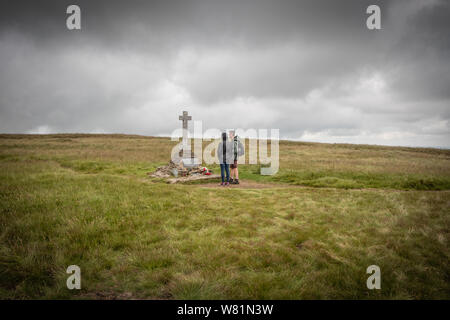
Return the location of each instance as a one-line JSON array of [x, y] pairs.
[[245, 184]]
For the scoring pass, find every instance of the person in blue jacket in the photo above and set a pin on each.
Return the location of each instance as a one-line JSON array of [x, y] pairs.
[[224, 153]]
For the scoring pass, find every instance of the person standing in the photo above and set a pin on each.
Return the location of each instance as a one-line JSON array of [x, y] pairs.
[[224, 155], [237, 151]]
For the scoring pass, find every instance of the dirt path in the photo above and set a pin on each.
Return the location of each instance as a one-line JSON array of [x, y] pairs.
[[246, 184], [249, 184]]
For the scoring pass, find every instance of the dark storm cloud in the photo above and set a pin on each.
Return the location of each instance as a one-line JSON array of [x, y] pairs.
[[175, 23], [310, 68], [422, 54]]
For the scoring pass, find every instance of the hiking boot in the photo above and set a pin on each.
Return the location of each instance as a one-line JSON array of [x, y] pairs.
[[236, 181], [231, 181]]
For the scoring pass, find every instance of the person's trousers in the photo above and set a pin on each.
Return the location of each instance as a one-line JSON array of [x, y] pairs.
[[224, 167]]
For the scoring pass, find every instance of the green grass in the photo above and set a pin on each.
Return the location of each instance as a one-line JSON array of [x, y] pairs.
[[354, 180], [86, 200]]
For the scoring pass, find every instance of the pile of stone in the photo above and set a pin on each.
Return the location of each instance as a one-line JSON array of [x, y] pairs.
[[182, 169], [172, 169], [183, 172]]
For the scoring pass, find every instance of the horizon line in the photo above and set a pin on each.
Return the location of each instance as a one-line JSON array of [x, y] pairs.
[[285, 139]]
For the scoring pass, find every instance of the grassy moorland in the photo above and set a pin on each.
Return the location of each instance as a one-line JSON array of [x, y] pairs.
[[308, 232]]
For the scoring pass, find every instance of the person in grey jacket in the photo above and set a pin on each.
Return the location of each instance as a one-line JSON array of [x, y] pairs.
[[237, 151], [224, 153]]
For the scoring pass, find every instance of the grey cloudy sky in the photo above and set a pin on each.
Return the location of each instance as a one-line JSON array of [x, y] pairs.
[[310, 68]]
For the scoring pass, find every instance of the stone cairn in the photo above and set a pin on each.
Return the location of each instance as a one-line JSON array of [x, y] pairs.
[[177, 170]]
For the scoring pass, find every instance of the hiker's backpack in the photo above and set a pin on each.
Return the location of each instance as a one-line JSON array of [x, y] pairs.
[[238, 147]]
